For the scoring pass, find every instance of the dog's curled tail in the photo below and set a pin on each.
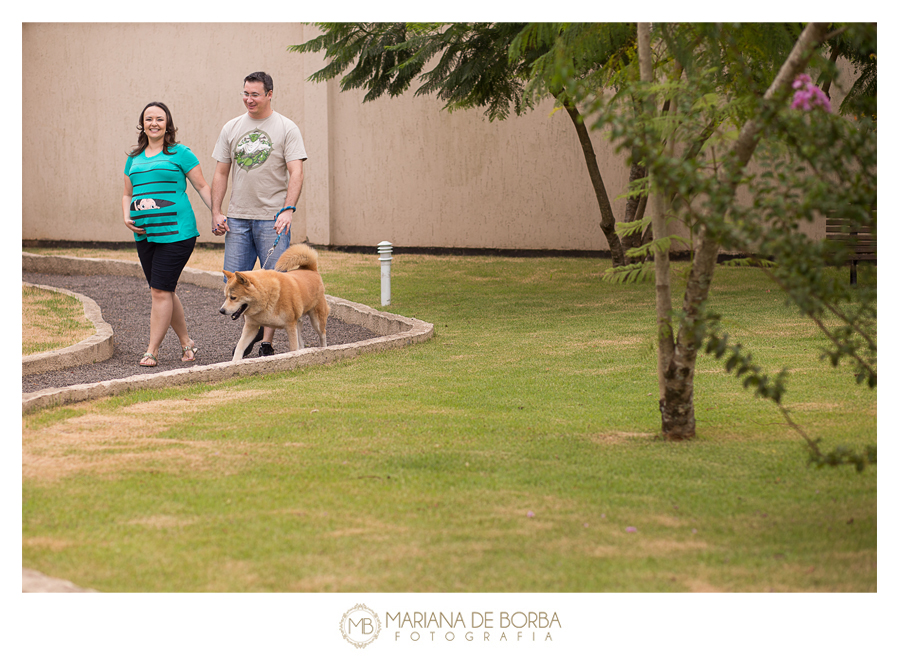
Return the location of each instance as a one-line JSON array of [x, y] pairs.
[[298, 257]]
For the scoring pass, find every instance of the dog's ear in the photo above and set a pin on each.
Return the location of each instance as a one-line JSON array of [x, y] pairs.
[[228, 275], [242, 279]]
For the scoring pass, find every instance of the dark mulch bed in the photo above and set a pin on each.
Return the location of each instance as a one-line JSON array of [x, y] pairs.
[[125, 304]]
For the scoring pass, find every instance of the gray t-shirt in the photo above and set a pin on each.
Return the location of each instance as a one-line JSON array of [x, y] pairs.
[[258, 151]]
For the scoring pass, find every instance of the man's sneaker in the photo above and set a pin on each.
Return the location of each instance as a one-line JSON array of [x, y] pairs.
[[265, 349], [249, 347]]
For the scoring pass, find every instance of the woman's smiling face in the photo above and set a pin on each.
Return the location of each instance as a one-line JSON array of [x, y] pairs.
[[154, 122]]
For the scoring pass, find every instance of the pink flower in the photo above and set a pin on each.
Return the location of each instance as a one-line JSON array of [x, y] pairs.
[[530, 514], [631, 528], [808, 95], [801, 80]]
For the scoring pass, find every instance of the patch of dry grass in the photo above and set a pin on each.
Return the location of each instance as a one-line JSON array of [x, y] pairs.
[[51, 320], [110, 443]]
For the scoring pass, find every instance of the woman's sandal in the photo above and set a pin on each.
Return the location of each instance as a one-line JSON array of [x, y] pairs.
[[151, 357], [193, 349]]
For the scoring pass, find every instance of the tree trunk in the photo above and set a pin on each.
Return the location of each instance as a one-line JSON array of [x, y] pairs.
[[607, 219], [634, 210], [826, 87], [677, 401], [677, 405], [664, 338]]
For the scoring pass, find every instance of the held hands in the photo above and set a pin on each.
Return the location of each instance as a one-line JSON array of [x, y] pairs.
[[283, 219], [219, 224]]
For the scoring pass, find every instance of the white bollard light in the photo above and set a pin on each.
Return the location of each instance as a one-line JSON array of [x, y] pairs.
[[385, 249]]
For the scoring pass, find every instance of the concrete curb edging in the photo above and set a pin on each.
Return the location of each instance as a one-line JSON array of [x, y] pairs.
[[394, 331], [37, 582], [98, 347]]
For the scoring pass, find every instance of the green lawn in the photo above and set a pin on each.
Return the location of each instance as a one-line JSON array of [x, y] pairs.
[[516, 451]]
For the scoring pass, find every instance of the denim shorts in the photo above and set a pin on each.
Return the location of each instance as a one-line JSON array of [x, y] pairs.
[[163, 262], [250, 239]]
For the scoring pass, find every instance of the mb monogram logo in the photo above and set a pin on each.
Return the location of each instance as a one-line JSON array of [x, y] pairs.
[[360, 626]]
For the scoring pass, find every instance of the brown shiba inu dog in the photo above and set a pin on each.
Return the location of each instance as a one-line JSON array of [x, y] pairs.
[[278, 298]]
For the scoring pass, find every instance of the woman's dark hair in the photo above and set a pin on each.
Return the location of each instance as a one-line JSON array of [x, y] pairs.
[[263, 77], [144, 141]]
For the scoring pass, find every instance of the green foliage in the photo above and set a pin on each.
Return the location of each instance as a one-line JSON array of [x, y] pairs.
[[497, 67], [374, 48], [739, 361], [631, 273], [842, 455], [857, 43], [633, 228], [472, 66], [742, 58], [751, 261], [658, 245], [474, 69], [588, 52]]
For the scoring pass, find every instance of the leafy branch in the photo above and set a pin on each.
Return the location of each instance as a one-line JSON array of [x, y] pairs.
[[741, 363]]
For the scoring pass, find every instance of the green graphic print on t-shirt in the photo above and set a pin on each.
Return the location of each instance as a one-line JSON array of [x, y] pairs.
[[252, 149]]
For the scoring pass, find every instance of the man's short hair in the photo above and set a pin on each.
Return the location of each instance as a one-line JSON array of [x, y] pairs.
[[263, 77]]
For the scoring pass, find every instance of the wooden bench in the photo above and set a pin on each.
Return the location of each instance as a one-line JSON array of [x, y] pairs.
[[860, 238]]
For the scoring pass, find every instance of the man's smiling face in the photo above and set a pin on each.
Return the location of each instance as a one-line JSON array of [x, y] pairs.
[[256, 100]]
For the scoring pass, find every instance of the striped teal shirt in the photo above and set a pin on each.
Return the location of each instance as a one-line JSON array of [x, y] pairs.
[[159, 200]]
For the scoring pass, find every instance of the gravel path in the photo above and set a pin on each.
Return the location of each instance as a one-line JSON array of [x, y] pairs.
[[125, 304]]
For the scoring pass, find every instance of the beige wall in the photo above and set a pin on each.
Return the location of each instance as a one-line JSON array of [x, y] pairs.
[[397, 169], [407, 172]]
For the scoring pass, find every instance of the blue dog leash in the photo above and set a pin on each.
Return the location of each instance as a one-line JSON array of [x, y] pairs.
[[277, 235]]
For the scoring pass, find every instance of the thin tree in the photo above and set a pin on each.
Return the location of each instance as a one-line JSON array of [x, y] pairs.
[[664, 337]]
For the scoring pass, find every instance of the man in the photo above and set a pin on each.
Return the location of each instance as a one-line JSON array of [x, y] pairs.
[[264, 152]]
